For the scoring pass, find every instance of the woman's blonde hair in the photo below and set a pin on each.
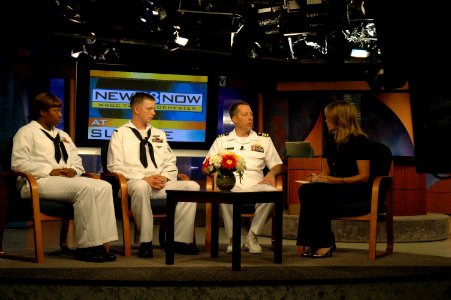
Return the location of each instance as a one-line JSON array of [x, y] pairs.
[[344, 115]]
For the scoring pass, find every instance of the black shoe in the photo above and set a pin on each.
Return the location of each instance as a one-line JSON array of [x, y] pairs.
[[184, 248], [145, 250], [108, 256], [91, 254], [309, 252], [324, 254]]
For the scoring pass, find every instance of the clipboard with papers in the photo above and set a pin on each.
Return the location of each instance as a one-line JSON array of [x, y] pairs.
[[303, 181]]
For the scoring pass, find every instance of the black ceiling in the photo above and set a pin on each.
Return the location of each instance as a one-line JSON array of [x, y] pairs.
[[45, 31]]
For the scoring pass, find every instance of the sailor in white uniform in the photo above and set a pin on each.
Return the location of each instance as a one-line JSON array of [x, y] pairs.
[[259, 152], [149, 174], [49, 154]]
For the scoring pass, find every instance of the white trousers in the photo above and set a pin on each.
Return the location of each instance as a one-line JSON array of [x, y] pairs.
[[141, 195], [262, 210], [94, 218]]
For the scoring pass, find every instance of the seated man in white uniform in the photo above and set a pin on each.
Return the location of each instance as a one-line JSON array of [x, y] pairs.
[[259, 152], [142, 154], [49, 154]]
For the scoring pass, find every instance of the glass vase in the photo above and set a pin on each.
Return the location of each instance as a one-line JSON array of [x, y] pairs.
[[226, 181]]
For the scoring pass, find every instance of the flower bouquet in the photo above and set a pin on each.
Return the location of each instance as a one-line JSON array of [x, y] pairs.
[[224, 163]]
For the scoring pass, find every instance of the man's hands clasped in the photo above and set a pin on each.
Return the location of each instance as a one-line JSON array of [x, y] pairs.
[[156, 181], [65, 172]]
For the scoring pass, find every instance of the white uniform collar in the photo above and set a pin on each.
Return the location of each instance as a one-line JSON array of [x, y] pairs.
[[244, 140], [37, 124], [130, 124]]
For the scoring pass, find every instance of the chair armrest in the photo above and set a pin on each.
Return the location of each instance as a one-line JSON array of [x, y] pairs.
[[210, 182], [182, 176], [118, 178], [381, 193], [119, 183], [34, 190], [91, 175], [279, 182]]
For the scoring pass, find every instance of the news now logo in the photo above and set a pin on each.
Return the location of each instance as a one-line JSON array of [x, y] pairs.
[[120, 99]]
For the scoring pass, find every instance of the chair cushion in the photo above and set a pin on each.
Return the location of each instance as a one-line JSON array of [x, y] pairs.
[[57, 209], [20, 209], [158, 206], [248, 208]]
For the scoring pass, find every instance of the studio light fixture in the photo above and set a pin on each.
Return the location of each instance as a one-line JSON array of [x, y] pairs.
[[362, 38], [79, 50], [176, 40], [91, 39], [92, 49], [85, 47], [109, 54], [150, 13], [360, 53], [181, 41], [70, 11]]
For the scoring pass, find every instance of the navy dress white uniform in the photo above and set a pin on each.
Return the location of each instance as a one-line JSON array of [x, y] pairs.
[[123, 157], [34, 152], [259, 152]]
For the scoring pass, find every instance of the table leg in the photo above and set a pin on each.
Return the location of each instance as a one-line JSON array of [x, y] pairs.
[[170, 216], [278, 219], [2, 213], [214, 230], [236, 239], [208, 218]]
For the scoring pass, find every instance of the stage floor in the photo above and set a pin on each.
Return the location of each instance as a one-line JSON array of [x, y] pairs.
[[347, 254], [415, 270]]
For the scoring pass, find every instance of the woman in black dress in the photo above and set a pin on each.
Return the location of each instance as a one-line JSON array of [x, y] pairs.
[[343, 186]]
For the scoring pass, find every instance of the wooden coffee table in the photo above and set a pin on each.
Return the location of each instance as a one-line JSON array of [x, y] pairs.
[[216, 198]]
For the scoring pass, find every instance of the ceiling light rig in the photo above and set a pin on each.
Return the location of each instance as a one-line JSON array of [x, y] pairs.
[[258, 31], [86, 47], [79, 50], [175, 41], [362, 38], [281, 29], [110, 54], [151, 13], [70, 10], [155, 20], [148, 21], [92, 49]]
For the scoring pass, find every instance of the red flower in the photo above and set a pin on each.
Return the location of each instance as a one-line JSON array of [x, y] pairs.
[[229, 162], [206, 168]]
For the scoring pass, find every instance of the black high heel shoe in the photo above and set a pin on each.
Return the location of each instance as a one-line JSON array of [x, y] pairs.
[[325, 254], [309, 252]]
